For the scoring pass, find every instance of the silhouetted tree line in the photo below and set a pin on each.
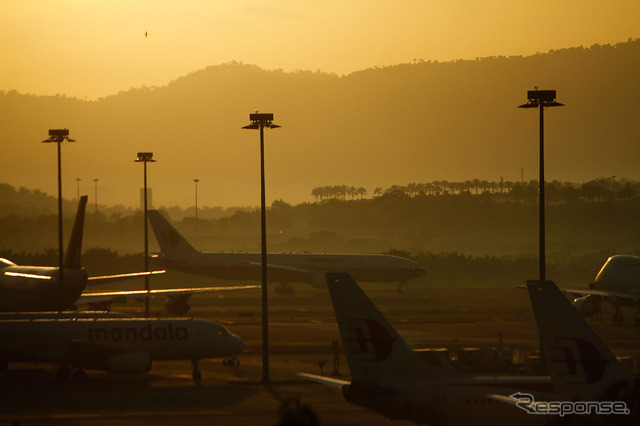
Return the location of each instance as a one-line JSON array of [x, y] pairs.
[[456, 234], [602, 189]]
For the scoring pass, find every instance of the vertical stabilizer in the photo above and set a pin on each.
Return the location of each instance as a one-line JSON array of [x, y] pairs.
[[581, 366], [375, 352], [172, 244], [74, 249]]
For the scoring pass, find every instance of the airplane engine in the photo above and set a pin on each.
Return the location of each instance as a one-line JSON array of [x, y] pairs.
[[588, 306], [133, 362], [177, 305]]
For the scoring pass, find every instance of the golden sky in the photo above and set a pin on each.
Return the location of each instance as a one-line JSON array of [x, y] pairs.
[[96, 48]]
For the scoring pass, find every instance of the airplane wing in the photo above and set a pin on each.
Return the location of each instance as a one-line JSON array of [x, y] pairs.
[[120, 277], [327, 381], [108, 297], [607, 296], [291, 273]]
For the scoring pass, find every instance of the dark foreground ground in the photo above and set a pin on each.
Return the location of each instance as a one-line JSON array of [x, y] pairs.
[[301, 331]]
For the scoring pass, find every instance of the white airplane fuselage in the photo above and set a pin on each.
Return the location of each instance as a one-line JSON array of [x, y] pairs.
[[114, 344], [294, 267]]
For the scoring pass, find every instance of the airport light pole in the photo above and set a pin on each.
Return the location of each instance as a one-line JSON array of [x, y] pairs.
[[195, 181], [541, 99], [58, 136], [78, 187], [259, 122], [145, 157], [95, 184]]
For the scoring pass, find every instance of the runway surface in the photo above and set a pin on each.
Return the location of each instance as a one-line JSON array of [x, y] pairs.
[[302, 328]]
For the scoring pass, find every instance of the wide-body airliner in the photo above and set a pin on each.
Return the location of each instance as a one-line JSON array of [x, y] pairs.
[[617, 282], [177, 253]]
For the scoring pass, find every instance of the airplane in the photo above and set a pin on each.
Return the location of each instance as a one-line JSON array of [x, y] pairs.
[[177, 253], [581, 366], [112, 343], [387, 377], [617, 282], [39, 288]]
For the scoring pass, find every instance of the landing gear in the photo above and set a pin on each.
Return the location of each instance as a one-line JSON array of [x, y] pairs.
[[197, 374], [231, 361], [401, 285]]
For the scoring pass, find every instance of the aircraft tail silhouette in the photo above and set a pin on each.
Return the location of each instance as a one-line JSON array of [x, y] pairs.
[[376, 354], [171, 243], [74, 248], [581, 366]]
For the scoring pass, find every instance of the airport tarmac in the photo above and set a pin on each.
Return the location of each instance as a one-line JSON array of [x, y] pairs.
[[302, 328]]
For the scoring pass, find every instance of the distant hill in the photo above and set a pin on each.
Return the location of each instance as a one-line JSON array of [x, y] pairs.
[[414, 122]]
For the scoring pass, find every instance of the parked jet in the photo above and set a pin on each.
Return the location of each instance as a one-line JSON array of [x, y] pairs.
[[617, 283], [177, 253], [387, 377], [113, 344], [581, 366], [39, 288]]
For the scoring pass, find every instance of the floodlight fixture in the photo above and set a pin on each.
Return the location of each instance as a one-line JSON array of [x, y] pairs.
[[146, 157], [261, 121], [537, 98], [58, 135]]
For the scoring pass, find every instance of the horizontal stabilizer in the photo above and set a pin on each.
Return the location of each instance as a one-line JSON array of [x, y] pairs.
[[327, 381]]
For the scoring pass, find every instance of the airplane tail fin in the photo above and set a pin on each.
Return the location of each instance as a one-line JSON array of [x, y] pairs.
[[581, 366], [74, 248], [374, 350], [171, 243]]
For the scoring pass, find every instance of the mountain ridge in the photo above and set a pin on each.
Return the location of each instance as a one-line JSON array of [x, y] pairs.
[[420, 121]]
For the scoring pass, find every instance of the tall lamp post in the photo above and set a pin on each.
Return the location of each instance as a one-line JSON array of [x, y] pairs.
[[95, 184], [145, 157], [260, 121], [541, 99], [196, 182], [78, 187], [58, 136]]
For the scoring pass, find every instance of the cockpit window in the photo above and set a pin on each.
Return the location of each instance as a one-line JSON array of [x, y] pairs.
[[223, 332]]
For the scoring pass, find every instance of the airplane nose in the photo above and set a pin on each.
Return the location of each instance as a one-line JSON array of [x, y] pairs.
[[238, 344]]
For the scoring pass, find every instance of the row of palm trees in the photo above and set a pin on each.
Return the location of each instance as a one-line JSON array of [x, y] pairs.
[[602, 189], [338, 192]]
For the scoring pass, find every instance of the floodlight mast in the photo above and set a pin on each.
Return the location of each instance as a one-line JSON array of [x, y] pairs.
[[58, 136], [540, 99], [145, 157], [260, 121]]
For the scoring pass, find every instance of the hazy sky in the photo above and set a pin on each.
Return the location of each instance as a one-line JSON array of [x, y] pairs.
[[95, 48]]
